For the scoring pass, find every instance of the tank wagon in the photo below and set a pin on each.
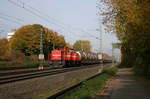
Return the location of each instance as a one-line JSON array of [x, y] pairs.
[[65, 57]]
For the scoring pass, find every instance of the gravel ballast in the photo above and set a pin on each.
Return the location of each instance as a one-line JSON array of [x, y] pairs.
[[25, 89]]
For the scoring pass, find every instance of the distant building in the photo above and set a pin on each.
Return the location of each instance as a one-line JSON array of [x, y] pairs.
[[10, 34]]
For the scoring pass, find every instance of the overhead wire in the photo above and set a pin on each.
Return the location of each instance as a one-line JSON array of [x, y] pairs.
[[43, 18], [91, 35], [30, 9], [7, 19], [49, 17], [34, 12], [18, 19], [37, 14]]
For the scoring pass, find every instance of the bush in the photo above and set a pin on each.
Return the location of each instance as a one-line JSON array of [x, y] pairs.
[[142, 66], [34, 58], [5, 57], [17, 55], [111, 71], [18, 59]]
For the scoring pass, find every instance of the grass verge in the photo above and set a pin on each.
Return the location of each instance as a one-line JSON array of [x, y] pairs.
[[25, 64], [89, 88]]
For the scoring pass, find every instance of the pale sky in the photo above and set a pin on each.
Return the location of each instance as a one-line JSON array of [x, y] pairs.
[[68, 17]]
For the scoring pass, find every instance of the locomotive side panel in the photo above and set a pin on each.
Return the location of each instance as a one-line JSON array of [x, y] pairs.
[[56, 58]]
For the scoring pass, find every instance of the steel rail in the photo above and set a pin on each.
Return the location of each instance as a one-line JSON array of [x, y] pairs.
[[19, 77], [63, 92]]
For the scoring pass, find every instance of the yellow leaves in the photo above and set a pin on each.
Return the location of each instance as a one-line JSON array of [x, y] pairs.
[[3, 46], [27, 39], [124, 11], [82, 44], [69, 45], [120, 13], [131, 21], [4, 53], [60, 41]]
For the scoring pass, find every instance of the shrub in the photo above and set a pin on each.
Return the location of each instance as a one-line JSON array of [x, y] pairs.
[[5, 57], [34, 58], [17, 55]]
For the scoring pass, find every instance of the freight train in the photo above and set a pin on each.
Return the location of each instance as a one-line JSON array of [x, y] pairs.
[[66, 57]]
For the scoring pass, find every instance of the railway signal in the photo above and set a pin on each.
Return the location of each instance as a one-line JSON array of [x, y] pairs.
[[100, 38], [41, 55]]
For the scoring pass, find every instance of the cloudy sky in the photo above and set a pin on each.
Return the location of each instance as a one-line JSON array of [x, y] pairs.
[[75, 19]]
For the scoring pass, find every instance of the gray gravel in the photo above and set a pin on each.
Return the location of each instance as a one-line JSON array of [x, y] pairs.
[[28, 88]]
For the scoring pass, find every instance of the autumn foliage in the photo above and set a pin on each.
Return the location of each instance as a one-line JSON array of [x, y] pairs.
[[27, 40], [130, 20], [24, 46], [82, 45], [15, 57], [4, 49]]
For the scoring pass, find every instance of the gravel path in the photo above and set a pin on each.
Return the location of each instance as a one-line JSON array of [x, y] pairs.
[[125, 86]]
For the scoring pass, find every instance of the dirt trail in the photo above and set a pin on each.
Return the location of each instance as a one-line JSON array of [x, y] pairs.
[[125, 86]]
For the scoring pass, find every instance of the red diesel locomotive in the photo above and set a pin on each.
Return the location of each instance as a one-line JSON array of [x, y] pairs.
[[68, 57]]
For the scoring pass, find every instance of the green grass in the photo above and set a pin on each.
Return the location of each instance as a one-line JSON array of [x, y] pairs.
[[17, 64], [89, 88]]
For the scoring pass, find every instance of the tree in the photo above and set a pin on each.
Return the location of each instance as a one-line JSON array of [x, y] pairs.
[[130, 20], [3, 46], [69, 45], [60, 41], [4, 53], [82, 44], [27, 40]]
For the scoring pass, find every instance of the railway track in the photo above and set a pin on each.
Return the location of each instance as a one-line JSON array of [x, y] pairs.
[[23, 76], [23, 70], [59, 94]]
